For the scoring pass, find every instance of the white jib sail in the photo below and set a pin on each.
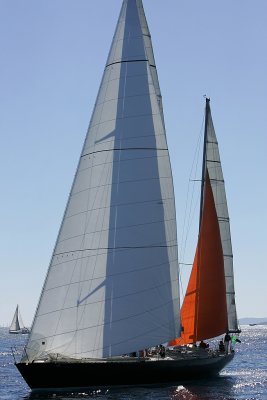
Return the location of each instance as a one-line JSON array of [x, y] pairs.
[[218, 187], [112, 285]]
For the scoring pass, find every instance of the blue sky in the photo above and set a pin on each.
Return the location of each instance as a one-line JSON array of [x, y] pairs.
[[53, 54]]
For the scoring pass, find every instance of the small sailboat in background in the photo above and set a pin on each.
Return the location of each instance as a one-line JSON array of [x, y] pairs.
[[112, 287], [17, 325]]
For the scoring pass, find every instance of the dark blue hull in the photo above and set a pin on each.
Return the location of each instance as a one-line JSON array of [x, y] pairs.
[[74, 375]]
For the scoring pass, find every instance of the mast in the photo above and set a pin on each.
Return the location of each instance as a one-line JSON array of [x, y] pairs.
[[204, 165]]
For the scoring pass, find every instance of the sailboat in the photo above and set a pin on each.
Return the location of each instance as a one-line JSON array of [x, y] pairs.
[[17, 325], [111, 296]]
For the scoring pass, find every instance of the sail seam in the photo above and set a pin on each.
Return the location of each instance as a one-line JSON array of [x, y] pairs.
[[126, 61], [125, 117], [125, 159], [211, 142], [115, 274], [118, 205], [133, 75], [108, 100], [217, 180], [129, 181], [126, 148], [111, 229], [118, 248], [130, 61], [146, 136], [124, 204], [120, 227]]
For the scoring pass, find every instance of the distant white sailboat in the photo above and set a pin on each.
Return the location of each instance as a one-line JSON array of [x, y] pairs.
[[17, 325]]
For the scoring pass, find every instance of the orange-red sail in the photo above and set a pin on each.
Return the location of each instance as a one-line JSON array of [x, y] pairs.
[[204, 310]]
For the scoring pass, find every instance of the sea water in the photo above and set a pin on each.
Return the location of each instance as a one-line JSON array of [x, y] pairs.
[[244, 378]]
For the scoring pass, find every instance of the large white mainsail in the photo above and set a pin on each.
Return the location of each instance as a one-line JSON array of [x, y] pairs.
[[213, 164], [112, 285]]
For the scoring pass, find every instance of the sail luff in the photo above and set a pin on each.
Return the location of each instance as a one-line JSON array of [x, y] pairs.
[[112, 284]]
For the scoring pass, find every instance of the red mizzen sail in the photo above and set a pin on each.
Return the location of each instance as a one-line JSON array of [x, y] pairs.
[[204, 310]]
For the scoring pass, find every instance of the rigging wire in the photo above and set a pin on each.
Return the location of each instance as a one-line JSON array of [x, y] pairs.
[[190, 205]]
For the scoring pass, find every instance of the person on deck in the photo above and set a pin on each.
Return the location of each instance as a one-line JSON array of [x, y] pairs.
[[221, 347], [227, 341], [162, 351], [203, 345]]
